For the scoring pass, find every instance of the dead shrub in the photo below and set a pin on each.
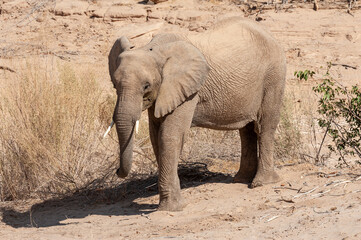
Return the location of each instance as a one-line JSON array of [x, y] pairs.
[[288, 136], [50, 133]]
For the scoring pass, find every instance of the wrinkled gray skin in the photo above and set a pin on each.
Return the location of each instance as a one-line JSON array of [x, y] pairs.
[[229, 77]]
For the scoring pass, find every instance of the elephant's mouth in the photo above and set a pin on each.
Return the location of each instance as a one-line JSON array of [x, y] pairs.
[[147, 103]]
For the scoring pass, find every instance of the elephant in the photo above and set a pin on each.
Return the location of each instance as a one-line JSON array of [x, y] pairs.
[[230, 77]]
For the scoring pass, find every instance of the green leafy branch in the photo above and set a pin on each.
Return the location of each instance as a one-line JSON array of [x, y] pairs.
[[340, 115], [304, 74]]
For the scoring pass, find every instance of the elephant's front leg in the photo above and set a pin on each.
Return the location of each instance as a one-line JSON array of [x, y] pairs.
[[171, 135]]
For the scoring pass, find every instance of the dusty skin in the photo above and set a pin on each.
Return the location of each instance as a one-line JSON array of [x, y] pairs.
[[191, 95], [309, 203]]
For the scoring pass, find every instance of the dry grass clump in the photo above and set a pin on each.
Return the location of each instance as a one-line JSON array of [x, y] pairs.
[[50, 132], [288, 136]]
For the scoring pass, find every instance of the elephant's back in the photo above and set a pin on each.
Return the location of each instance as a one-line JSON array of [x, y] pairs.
[[235, 35], [240, 54]]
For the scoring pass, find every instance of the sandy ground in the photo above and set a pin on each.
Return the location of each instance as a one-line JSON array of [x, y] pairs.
[[311, 202]]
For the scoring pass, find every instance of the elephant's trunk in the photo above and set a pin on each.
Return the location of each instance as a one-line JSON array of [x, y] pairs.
[[125, 117], [126, 138]]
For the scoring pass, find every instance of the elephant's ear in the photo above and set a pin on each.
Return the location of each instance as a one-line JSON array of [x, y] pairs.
[[184, 73], [121, 44]]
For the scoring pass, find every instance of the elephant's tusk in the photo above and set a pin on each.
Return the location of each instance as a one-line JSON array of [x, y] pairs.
[[107, 131], [136, 126]]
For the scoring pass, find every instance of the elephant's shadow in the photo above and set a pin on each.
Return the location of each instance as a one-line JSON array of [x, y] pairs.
[[114, 201]]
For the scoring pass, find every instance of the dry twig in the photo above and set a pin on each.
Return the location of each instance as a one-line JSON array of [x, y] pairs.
[[285, 200], [344, 65], [272, 218], [290, 188], [320, 212], [299, 195], [325, 175], [320, 194], [7, 69]]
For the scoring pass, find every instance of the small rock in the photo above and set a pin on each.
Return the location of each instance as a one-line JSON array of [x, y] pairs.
[[193, 26], [68, 8], [349, 37], [117, 13], [13, 6], [40, 18]]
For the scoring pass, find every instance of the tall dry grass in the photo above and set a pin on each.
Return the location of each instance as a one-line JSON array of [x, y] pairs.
[[50, 132], [288, 139]]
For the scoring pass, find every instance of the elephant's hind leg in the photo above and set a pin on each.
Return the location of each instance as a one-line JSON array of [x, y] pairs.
[[248, 166], [266, 130]]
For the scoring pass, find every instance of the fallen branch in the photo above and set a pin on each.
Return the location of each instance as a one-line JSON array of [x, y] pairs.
[[332, 182], [320, 194], [314, 173], [7, 69], [347, 181], [325, 175], [332, 175], [287, 165], [357, 178], [285, 200], [290, 188], [299, 195], [264, 216], [344, 65], [272, 218], [320, 212]]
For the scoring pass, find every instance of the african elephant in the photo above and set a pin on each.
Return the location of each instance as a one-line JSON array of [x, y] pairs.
[[230, 77]]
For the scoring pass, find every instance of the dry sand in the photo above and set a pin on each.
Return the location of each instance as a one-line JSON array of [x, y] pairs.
[[310, 203]]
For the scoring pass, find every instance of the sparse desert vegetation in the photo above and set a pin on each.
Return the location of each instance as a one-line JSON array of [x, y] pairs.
[[56, 101], [52, 143]]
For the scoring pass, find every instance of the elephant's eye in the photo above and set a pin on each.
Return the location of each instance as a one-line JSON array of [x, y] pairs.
[[146, 86]]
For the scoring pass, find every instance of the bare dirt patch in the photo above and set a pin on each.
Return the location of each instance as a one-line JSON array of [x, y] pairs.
[[309, 203]]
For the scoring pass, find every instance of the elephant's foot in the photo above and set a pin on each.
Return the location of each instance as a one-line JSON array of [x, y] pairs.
[[265, 177], [244, 176], [171, 205]]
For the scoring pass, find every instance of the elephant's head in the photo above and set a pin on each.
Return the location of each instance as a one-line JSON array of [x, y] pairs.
[[163, 73]]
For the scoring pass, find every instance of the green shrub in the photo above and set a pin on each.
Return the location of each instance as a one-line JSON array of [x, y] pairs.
[[340, 114], [340, 109]]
